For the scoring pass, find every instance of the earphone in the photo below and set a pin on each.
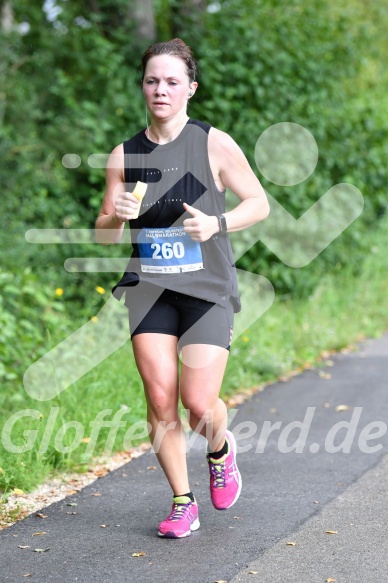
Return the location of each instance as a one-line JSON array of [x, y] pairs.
[[191, 93]]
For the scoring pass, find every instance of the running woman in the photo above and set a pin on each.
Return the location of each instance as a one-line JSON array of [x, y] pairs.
[[180, 285]]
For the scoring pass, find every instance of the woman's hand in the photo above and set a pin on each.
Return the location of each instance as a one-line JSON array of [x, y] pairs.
[[126, 205], [200, 227]]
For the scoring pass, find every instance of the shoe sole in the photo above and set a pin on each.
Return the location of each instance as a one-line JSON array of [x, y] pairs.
[[194, 526]]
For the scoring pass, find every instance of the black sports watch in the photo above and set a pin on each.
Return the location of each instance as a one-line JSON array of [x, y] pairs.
[[223, 225]]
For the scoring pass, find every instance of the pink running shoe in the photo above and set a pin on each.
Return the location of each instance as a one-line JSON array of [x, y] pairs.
[[182, 520], [225, 479]]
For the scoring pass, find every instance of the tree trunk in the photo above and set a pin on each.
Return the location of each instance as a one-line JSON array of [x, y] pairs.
[[188, 16], [6, 17], [143, 13]]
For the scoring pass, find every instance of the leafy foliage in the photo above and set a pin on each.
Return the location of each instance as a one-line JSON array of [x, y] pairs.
[[23, 338], [300, 62]]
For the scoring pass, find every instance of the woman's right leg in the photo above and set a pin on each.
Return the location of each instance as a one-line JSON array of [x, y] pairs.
[[157, 361]]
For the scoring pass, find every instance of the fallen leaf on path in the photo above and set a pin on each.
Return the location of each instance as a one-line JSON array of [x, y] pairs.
[[141, 554], [330, 580], [27, 574], [238, 517], [331, 531], [41, 550], [151, 468], [103, 525], [342, 408], [253, 572], [324, 375], [23, 546], [40, 515], [220, 581], [96, 494], [291, 544], [100, 473], [72, 504], [38, 533]]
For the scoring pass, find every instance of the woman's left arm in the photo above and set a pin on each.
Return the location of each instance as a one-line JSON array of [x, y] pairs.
[[236, 174]]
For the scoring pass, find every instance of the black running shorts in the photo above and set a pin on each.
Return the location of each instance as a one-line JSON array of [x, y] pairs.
[[193, 320]]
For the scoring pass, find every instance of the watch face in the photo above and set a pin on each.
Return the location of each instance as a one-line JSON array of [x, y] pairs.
[[223, 227]]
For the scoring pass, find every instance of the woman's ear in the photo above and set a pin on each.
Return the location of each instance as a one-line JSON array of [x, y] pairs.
[[193, 87]]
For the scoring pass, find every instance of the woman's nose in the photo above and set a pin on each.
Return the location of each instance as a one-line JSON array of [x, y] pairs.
[[160, 89]]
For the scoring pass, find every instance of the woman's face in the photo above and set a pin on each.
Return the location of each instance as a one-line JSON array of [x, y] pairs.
[[166, 86]]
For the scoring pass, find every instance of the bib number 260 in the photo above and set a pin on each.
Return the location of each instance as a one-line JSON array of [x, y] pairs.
[[168, 250]]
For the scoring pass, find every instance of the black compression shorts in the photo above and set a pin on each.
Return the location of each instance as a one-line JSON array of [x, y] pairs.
[[192, 320]]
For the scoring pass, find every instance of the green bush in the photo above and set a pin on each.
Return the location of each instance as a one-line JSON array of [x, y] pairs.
[[24, 336]]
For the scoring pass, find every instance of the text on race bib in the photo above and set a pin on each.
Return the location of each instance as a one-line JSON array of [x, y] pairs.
[[168, 250]]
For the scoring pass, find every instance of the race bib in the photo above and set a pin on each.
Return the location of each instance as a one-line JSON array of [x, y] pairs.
[[168, 250]]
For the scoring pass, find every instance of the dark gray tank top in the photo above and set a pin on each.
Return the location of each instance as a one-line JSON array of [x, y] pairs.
[[177, 172]]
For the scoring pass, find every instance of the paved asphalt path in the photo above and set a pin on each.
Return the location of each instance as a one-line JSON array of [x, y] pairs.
[[286, 497]]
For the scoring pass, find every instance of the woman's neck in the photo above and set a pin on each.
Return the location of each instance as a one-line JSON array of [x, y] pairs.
[[162, 132]]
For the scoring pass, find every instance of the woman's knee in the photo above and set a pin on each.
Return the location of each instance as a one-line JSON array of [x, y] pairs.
[[199, 410], [161, 400]]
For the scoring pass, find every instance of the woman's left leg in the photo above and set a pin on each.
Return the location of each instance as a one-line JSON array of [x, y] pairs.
[[203, 368], [201, 377]]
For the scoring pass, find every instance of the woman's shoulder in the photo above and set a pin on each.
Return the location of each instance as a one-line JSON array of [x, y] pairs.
[[220, 141], [116, 157], [216, 137]]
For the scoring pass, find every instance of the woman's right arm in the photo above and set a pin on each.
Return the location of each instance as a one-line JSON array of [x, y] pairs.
[[117, 206]]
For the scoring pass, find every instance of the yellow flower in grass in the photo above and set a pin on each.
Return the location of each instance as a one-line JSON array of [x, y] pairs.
[[59, 291], [100, 290], [94, 319], [245, 339]]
